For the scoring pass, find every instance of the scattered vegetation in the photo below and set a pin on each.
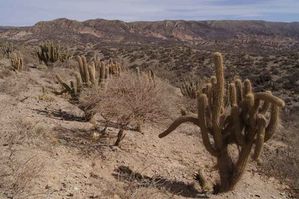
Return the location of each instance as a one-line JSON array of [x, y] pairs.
[[234, 121]]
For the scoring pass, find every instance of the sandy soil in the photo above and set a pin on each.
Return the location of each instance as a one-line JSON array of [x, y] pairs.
[[46, 153]]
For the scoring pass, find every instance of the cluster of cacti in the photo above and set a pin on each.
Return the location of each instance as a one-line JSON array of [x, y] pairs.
[[113, 67], [190, 88], [248, 121], [87, 76], [7, 49], [150, 75], [50, 52], [16, 61]]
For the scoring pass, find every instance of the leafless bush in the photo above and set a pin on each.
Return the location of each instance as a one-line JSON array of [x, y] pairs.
[[132, 99]]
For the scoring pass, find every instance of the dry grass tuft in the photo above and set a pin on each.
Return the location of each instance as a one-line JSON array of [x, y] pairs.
[[130, 99]]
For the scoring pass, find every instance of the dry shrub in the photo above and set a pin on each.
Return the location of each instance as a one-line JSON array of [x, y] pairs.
[[132, 99], [19, 168]]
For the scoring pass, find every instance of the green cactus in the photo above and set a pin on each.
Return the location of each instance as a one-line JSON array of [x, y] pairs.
[[243, 121], [50, 52]]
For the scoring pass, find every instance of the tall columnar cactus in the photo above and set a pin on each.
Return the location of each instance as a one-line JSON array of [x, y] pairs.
[[248, 120], [50, 52], [16, 61], [87, 71]]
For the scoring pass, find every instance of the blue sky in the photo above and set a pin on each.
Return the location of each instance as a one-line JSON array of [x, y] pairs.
[[28, 12]]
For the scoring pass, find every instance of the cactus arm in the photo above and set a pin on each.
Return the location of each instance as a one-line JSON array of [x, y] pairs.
[[273, 123], [237, 127], [64, 84], [247, 87], [218, 101], [203, 124], [81, 69], [265, 107], [92, 73], [259, 142], [78, 81], [239, 87], [266, 96], [232, 94], [85, 69], [177, 123]]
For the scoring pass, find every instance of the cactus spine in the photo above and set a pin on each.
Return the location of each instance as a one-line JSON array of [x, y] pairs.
[[243, 121]]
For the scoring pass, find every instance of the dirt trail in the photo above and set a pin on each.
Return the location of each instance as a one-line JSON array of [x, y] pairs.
[[46, 156]]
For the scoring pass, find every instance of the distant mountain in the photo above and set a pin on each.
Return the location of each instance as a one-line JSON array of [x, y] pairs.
[[194, 32]]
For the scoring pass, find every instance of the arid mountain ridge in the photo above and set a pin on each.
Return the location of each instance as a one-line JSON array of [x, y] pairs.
[[191, 32]]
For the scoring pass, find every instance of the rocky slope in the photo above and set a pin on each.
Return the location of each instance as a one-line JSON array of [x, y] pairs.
[[195, 32]]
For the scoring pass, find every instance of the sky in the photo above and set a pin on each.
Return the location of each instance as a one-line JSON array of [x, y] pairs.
[[29, 12]]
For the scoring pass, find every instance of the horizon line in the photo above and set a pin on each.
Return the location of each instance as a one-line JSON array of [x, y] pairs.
[[135, 21]]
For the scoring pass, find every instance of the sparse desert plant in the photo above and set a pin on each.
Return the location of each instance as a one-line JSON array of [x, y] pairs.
[[130, 100], [86, 79], [190, 88], [247, 121], [16, 61], [7, 49], [50, 52]]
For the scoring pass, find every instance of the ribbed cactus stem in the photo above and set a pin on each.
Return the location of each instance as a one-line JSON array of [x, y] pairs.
[[239, 87], [202, 107], [269, 97], [92, 73], [260, 137], [238, 126], [273, 123], [232, 94], [247, 87], [78, 82], [86, 72], [218, 101], [81, 68]]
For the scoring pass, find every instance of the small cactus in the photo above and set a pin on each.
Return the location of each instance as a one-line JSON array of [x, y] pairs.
[[248, 120], [16, 61]]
